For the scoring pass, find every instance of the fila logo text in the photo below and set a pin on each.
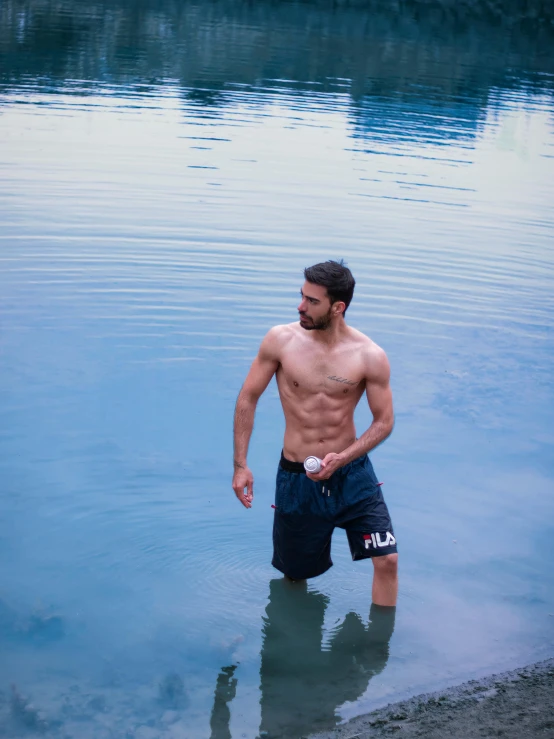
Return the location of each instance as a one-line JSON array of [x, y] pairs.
[[376, 541]]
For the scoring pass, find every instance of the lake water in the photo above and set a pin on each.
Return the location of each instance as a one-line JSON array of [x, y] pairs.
[[167, 170]]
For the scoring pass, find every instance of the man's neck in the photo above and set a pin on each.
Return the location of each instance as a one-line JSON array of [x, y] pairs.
[[332, 335]]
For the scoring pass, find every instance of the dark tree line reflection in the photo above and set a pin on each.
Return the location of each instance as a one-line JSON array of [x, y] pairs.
[[439, 58], [377, 46]]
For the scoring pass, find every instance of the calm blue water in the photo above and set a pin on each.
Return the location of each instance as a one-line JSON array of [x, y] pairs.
[[166, 172]]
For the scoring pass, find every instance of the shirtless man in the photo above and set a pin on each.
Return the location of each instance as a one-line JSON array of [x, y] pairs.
[[322, 367]]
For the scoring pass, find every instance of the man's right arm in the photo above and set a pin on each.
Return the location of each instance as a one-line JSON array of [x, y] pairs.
[[262, 370]]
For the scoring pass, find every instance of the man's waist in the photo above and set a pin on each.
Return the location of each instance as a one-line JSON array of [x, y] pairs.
[[298, 467], [291, 466]]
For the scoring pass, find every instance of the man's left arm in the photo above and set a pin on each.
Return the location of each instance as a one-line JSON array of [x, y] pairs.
[[379, 397]]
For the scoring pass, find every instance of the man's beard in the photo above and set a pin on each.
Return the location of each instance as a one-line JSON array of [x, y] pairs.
[[322, 324]]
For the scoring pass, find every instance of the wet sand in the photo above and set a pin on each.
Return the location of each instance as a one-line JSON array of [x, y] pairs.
[[508, 705]]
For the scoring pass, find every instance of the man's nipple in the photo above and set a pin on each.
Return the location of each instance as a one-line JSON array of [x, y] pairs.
[[295, 383]]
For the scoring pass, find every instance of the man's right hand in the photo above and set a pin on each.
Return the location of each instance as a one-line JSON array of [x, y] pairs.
[[242, 479]]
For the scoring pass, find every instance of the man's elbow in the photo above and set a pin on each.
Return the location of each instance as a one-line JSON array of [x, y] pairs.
[[248, 396], [388, 425]]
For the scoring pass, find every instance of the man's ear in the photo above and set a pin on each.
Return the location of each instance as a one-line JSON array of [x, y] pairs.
[[339, 307]]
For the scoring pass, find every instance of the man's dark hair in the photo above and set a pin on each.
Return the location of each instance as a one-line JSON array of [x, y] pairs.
[[335, 277]]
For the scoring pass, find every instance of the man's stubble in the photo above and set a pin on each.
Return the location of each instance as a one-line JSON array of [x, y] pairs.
[[322, 324]]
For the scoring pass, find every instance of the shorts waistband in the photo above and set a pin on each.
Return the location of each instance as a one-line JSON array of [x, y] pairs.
[[289, 466], [298, 467]]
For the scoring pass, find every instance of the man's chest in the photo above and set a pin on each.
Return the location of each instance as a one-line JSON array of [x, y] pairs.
[[331, 372]]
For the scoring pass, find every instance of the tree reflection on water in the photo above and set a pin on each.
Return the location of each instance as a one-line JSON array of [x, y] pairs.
[[358, 47]]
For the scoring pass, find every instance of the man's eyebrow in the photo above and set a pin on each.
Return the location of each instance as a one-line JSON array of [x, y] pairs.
[[309, 297]]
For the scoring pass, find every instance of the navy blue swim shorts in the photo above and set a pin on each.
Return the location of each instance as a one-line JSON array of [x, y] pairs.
[[307, 512]]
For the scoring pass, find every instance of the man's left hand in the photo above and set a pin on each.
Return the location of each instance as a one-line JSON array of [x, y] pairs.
[[329, 464]]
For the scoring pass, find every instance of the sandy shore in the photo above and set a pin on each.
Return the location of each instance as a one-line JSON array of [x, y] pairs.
[[508, 705]]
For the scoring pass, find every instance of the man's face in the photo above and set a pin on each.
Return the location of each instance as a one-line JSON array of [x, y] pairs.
[[314, 308]]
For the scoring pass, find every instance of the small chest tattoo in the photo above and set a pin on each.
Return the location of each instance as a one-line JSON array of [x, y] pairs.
[[343, 380]]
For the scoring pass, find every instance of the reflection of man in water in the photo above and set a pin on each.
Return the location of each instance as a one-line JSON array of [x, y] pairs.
[[225, 690], [323, 367], [302, 681]]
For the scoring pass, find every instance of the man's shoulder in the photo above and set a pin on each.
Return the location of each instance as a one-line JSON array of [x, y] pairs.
[[283, 332], [374, 356], [278, 337], [364, 342]]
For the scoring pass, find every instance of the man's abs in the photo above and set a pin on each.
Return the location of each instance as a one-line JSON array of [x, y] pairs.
[[318, 425], [299, 445]]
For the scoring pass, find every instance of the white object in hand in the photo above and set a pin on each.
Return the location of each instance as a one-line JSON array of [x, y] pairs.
[[312, 464]]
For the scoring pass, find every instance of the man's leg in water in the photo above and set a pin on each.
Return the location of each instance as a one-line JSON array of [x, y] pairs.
[[385, 580]]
